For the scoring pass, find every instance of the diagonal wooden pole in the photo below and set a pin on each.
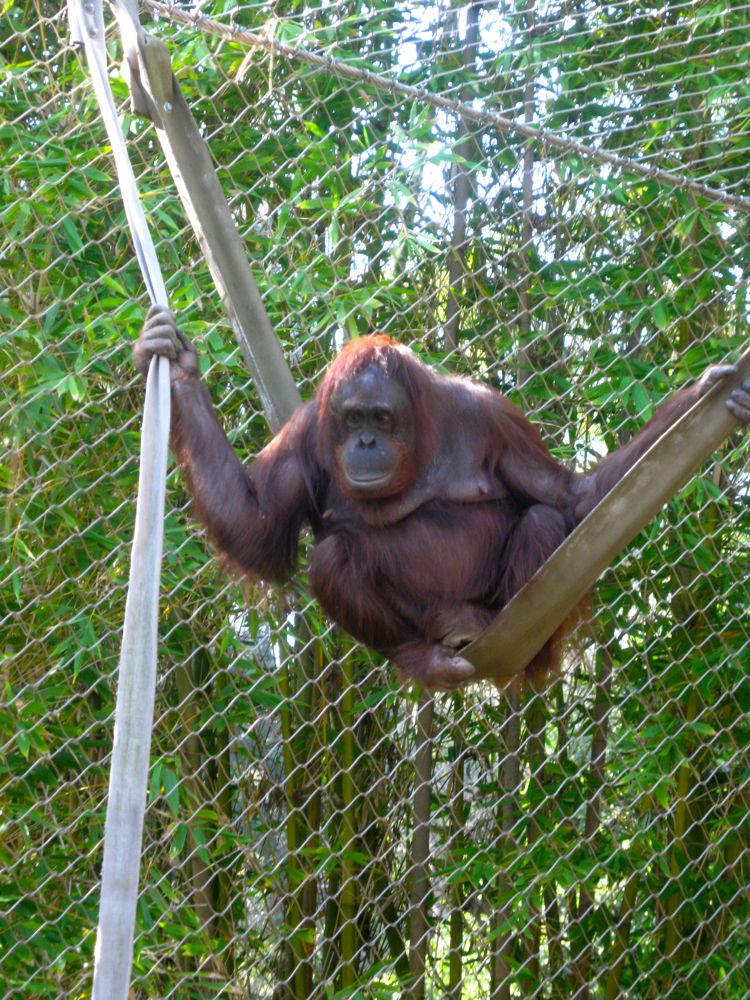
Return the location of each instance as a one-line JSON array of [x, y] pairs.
[[529, 619], [157, 95]]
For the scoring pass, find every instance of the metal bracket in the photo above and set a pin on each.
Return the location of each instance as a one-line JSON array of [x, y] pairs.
[[85, 18], [146, 66]]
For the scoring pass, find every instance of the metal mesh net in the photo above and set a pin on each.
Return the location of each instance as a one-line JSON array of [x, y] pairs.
[[314, 829]]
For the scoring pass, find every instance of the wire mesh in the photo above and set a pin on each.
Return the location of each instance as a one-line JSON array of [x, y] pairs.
[[313, 829]]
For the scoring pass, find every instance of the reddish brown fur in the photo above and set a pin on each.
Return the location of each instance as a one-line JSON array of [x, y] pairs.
[[477, 509]]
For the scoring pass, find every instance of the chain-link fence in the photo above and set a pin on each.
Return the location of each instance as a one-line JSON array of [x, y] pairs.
[[313, 829]]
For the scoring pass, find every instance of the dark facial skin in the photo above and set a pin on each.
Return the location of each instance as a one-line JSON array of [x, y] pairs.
[[374, 435]]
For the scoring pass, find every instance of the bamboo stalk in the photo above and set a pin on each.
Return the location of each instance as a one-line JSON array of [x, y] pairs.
[[600, 719], [527, 199], [313, 798], [675, 897], [219, 751], [419, 883], [510, 779], [299, 955], [536, 725], [556, 955], [349, 893], [458, 822], [461, 188], [189, 675], [392, 920], [613, 989]]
